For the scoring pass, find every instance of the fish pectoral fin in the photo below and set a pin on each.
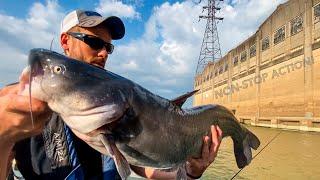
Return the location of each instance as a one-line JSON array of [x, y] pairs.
[[179, 101], [122, 164]]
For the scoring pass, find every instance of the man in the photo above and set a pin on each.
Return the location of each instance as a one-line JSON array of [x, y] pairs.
[[57, 153]]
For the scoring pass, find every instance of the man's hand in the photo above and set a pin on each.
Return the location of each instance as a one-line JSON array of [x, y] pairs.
[[15, 122], [196, 166], [15, 119]]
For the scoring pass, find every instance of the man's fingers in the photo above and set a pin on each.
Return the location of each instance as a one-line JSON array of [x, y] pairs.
[[219, 133], [214, 135], [12, 89], [205, 147], [216, 140], [219, 138], [19, 103]]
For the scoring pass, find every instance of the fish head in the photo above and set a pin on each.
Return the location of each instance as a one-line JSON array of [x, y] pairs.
[[85, 96], [52, 76]]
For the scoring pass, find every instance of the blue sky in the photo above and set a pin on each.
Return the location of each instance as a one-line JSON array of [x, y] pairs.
[[160, 49]]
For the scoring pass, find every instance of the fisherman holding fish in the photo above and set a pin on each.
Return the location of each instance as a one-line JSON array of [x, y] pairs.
[[48, 149]]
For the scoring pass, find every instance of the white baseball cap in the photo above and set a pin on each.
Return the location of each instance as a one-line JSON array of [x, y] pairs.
[[83, 18]]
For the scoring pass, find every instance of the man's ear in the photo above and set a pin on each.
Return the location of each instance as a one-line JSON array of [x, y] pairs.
[[64, 42]]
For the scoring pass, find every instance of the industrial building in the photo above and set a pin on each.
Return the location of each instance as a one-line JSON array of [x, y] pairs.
[[272, 78]]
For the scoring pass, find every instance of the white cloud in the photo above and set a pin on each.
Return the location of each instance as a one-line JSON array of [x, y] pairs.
[[18, 36], [242, 19], [131, 65], [44, 16], [12, 63], [41, 25], [117, 8], [166, 55], [163, 59]]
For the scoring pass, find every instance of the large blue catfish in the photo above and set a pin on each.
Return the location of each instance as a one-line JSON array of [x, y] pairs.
[[134, 125]]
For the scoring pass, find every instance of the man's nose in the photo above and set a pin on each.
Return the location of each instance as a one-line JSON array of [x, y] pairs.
[[103, 53]]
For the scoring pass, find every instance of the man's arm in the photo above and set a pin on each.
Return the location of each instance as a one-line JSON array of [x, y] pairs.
[[195, 166], [5, 151], [15, 121]]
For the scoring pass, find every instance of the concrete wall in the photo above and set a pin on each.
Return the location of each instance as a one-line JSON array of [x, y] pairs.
[[278, 86]]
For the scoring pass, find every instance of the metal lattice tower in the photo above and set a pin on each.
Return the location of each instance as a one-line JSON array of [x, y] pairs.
[[210, 48]]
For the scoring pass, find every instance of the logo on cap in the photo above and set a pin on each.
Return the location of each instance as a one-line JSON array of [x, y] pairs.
[[92, 13]]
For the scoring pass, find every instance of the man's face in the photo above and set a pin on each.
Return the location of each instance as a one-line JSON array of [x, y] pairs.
[[77, 49]]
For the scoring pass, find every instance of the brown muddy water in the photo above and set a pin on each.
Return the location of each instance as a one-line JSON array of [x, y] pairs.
[[291, 155]]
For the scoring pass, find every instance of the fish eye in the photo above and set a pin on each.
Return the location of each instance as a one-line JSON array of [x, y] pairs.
[[58, 69]]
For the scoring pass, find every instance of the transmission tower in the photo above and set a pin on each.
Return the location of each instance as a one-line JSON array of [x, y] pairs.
[[210, 48]]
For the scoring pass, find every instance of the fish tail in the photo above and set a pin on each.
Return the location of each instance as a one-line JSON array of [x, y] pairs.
[[242, 150], [254, 142]]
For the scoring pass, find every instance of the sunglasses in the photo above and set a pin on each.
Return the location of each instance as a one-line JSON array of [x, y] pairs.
[[93, 41]]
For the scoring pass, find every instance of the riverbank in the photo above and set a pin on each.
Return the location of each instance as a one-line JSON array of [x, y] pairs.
[[294, 123]]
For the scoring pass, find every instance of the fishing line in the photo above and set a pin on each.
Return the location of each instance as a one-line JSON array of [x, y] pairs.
[[30, 101], [258, 153], [51, 43]]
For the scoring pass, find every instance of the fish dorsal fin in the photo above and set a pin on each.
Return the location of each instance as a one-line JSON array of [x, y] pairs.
[[179, 101]]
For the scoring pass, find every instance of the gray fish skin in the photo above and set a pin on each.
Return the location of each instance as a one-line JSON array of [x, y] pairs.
[[148, 130]]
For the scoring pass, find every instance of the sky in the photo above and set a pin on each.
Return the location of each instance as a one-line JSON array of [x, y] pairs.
[[161, 47]]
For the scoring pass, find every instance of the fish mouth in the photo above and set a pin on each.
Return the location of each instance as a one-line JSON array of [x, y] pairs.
[[30, 80], [31, 77], [35, 58], [34, 69], [25, 80]]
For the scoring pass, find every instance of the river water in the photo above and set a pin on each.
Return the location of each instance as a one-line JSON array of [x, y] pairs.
[[291, 155]]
